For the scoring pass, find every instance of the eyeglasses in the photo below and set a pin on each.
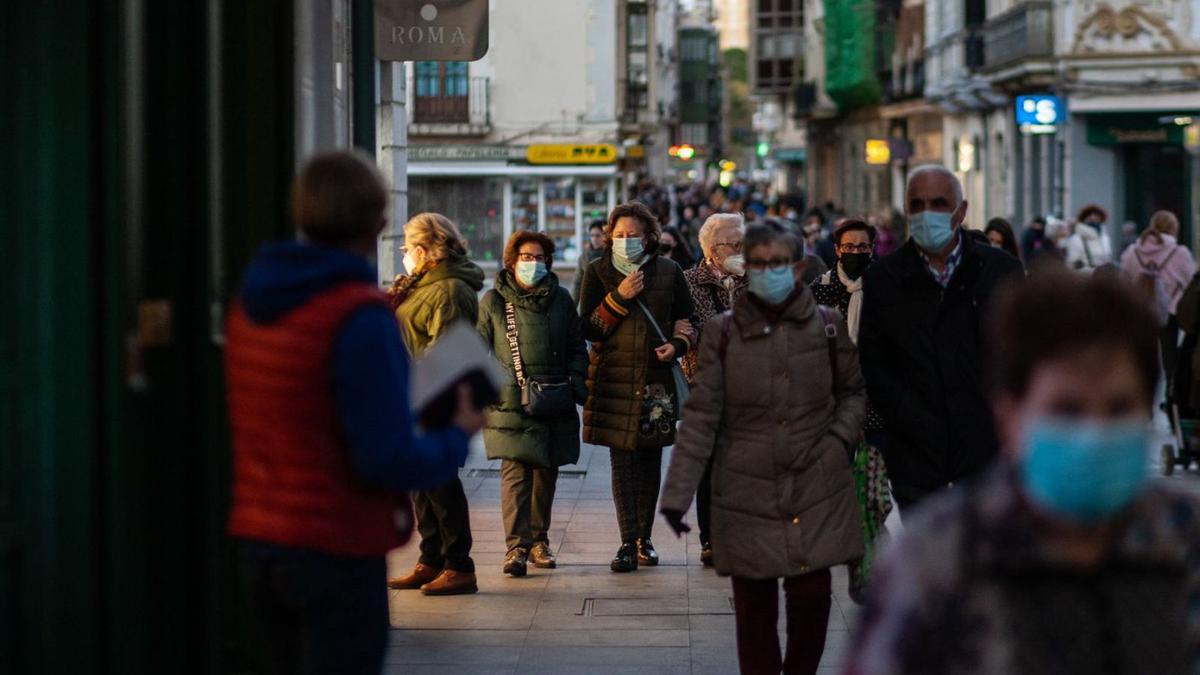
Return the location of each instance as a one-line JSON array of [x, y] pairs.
[[735, 246], [773, 264], [855, 248], [532, 257]]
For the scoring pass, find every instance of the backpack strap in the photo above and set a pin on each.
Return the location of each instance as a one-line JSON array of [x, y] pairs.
[[830, 318]]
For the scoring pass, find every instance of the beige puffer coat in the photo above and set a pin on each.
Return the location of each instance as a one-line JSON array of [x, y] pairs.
[[783, 500]]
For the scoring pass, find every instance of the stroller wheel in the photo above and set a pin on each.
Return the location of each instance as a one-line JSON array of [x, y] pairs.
[[1168, 459]]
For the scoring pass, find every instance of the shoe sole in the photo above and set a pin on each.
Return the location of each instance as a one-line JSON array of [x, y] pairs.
[[648, 562], [399, 587], [545, 566], [458, 591], [623, 571]]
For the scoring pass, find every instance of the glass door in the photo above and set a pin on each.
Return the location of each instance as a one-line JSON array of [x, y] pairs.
[[560, 217]]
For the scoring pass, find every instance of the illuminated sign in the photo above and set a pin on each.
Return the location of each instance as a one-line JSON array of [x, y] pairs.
[[598, 153], [1040, 113], [878, 151]]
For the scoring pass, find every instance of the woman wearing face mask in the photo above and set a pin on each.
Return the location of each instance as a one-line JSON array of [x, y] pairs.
[[1000, 235], [715, 284], [1064, 557], [632, 404], [440, 288], [528, 310], [1089, 247], [778, 405], [674, 246]]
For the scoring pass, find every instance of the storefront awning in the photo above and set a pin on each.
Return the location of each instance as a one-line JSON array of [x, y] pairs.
[[501, 169]]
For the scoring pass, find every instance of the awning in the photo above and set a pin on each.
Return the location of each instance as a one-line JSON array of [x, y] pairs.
[[502, 169]]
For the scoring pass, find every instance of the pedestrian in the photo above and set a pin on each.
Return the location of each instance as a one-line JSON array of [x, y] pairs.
[[633, 400], [592, 250], [672, 245], [816, 240], [784, 505], [922, 312], [715, 285], [1033, 240], [1089, 246], [323, 437], [1161, 268], [441, 287], [530, 321], [1064, 557], [1000, 235], [890, 233]]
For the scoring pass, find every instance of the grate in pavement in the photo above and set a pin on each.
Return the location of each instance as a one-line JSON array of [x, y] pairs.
[[651, 606], [571, 474]]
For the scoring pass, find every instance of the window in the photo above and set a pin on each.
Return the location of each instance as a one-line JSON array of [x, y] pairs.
[[441, 91], [694, 134], [637, 56], [778, 44]]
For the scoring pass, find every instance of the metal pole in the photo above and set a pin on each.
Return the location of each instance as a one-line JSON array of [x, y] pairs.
[[362, 40]]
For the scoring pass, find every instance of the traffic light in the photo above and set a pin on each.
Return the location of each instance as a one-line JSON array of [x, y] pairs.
[[763, 148]]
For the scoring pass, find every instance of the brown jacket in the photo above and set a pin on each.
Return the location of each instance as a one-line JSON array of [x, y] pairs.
[[783, 499]]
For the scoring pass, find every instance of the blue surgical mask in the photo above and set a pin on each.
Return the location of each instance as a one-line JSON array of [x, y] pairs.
[[627, 254], [931, 230], [1084, 471], [530, 273], [772, 285]]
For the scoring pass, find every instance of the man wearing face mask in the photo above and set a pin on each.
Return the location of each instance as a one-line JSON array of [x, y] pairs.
[[923, 311], [715, 284], [1064, 557]]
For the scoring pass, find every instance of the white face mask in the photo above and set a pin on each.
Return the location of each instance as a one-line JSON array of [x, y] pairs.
[[410, 262], [735, 265]]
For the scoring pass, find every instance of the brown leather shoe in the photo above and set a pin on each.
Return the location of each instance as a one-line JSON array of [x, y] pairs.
[[450, 582], [421, 575]]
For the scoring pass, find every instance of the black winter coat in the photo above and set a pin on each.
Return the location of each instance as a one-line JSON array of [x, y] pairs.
[[922, 354]]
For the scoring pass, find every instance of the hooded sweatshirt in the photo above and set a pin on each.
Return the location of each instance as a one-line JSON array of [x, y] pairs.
[[369, 363], [1174, 263]]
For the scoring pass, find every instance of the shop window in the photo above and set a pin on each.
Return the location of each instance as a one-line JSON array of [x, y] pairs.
[[475, 205], [560, 218]]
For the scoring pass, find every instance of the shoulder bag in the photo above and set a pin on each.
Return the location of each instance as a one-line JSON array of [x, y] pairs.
[[540, 396], [682, 390]]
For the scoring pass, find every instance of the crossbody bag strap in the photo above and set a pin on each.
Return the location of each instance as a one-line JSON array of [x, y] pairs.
[[652, 320], [514, 345]]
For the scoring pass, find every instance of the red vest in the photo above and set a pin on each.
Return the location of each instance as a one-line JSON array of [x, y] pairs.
[[292, 480]]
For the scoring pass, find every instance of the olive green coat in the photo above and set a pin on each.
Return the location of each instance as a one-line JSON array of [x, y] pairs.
[[550, 335], [446, 293], [622, 360]]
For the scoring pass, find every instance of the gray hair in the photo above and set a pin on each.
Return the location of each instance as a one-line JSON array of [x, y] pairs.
[[939, 170], [708, 231]]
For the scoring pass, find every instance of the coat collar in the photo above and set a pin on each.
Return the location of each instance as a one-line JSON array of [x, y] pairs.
[[914, 271], [537, 299], [752, 321]]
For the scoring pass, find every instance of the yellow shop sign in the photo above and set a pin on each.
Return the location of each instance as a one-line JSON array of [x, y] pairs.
[[600, 153]]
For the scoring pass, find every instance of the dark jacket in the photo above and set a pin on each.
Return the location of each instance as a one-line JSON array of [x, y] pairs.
[[589, 254], [923, 357], [624, 372], [550, 335], [711, 297], [446, 293]]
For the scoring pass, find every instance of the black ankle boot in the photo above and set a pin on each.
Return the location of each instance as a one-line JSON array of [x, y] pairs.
[[706, 554], [626, 560], [646, 554]]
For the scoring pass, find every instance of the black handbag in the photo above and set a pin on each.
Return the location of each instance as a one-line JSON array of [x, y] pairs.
[[540, 396]]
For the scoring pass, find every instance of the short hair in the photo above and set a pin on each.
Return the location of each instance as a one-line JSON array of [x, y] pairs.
[[1054, 315], [768, 232], [708, 231], [852, 225], [339, 197], [939, 170], [651, 231], [1092, 209], [596, 225], [436, 233], [521, 237]]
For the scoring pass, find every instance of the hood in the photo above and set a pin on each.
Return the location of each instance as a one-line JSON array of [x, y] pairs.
[[455, 267], [287, 275], [537, 298], [1153, 250]]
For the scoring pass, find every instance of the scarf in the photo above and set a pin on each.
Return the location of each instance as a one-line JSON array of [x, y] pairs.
[[627, 267], [854, 312]]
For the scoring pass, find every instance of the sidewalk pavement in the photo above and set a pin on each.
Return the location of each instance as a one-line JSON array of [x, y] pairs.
[[676, 618]]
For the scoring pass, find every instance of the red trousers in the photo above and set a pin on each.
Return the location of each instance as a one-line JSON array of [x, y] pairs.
[[756, 604]]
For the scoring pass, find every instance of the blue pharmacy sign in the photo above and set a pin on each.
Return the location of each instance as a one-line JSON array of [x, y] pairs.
[[1040, 113]]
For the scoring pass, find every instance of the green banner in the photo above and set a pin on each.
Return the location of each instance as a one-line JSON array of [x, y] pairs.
[[850, 76]]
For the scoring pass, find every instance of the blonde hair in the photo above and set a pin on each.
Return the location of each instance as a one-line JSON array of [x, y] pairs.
[[435, 233], [1164, 222]]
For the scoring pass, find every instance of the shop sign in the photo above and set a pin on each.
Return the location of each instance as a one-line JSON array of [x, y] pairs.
[[1121, 128], [464, 153], [635, 152], [445, 30], [596, 153], [1039, 113], [791, 155], [878, 151]]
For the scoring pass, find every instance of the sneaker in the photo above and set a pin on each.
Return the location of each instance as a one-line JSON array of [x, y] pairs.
[[626, 560], [706, 555], [450, 582], [421, 575], [514, 562], [542, 557], [646, 554]]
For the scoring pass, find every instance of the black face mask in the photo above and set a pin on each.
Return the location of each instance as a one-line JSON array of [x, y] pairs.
[[854, 264]]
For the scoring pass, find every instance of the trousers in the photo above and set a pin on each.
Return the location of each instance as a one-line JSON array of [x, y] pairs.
[[636, 478], [444, 523], [756, 606], [526, 498]]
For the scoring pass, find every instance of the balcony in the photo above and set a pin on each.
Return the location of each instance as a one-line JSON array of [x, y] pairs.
[[1026, 32], [451, 115]]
